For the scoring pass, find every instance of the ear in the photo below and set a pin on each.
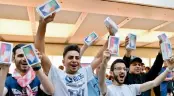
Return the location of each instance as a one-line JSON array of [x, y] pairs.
[[111, 73], [13, 58], [63, 61]]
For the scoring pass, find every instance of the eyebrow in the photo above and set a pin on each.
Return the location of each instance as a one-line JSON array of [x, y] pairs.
[[73, 56]]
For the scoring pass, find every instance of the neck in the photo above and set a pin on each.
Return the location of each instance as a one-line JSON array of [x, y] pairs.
[[116, 83], [69, 72], [22, 73]]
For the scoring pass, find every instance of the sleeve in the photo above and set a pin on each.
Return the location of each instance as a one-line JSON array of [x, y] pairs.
[[154, 71], [53, 74], [89, 72], [127, 60], [136, 88], [109, 91], [7, 84]]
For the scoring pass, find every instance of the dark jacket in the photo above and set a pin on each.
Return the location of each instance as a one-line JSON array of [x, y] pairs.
[[142, 78]]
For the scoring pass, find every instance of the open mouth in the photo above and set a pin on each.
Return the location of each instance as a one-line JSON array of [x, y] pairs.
[[122, 76], [74, 65], [25, 64]]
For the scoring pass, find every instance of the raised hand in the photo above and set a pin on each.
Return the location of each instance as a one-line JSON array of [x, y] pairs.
[[37, 67], [106, 55], [39, 54], [48, 19], [160, 45], [110, 31], [170, 62], [128, 51]]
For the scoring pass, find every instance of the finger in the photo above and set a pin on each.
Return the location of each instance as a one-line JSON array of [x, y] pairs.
[[160, 41], [36, 50], [53, 15]]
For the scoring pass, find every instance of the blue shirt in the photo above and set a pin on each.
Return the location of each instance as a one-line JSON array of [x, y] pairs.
[[14, 89], [163, 85], [93, 86]]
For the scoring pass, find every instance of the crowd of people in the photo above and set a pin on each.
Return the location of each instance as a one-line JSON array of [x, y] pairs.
[[128, 76]]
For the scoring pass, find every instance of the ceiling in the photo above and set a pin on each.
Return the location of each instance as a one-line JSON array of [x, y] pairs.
[[78, 18]]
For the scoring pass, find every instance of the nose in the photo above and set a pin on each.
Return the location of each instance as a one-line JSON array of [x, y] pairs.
[[23, 59], [74, 59], [122, 70]]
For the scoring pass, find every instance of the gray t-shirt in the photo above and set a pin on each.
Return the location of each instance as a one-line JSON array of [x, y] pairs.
[[124, 90], [70, 85]]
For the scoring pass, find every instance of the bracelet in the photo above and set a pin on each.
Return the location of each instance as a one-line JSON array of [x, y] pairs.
[[36, 67], [168, 70]]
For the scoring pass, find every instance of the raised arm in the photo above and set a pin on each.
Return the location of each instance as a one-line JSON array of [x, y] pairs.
[[155, 69], [83, 49], [3, 73], [128, 53], [46, 84], [151, 84], [98, 58], [102, 84], [40, 42]]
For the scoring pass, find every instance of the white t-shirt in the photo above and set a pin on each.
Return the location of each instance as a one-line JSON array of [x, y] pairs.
[[124, 90], [70, 85]]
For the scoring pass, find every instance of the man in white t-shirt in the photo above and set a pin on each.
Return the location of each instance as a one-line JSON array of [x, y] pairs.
[[72, 81], [119, 72]]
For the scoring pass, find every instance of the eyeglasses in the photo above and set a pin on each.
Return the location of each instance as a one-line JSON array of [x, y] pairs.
[[119, 69]]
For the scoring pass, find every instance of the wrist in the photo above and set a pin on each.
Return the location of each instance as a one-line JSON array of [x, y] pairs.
[[128, 54], [36, 67], [42, 22]]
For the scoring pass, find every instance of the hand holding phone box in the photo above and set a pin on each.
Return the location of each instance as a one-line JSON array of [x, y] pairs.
[[48, 8], [113, 45], [6, 53], [132, 41], [30, 55], [90, 38], [166, 49], [163, 37], [109, 23]]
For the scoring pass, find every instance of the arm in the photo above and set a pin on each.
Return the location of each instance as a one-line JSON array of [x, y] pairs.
[[102, 84], [98, 58], [151, 84], [128, 53], [148, 85], [168, 79], [155, 69], [83, 49], [46, 86], [3, 73], [40, 42]]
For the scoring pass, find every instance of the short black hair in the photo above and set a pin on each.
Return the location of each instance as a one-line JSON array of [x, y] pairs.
[[115, 62], [71, 47], [17, 47]]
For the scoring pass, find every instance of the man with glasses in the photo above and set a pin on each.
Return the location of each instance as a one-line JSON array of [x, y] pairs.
[[119, 72]]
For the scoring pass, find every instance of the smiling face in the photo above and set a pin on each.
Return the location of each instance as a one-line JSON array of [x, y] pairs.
[[135, 68], [119, 73], [20, 61], [72, 62]]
